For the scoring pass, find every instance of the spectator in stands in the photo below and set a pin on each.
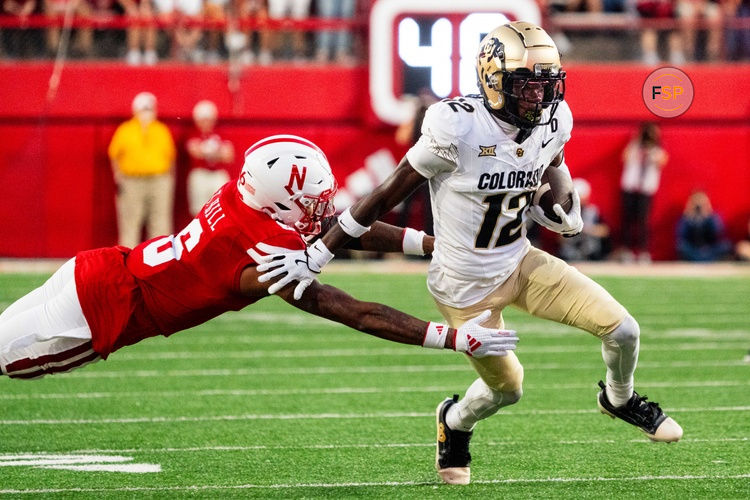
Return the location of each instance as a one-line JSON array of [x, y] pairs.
[[21, 9], [187, 32], [141, 34], [297, 10], [210, 157], [593, 242], [335, 44], [55, 10], [659, 10], [700, 231], [738, 39], [692, 12], [142, 153], [179, 17], [643, 160], [215, 13], [742, 248], [558, 6], [239, 40]]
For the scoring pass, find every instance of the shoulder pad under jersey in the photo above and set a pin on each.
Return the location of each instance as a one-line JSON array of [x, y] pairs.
[[564, 121], [447, 120]]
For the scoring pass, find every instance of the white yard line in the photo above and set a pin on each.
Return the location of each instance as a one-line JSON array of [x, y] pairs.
[[322, 416], [325, 370], [209, 487], [404, 266], [402, 351], [643, 386], [199, 449]]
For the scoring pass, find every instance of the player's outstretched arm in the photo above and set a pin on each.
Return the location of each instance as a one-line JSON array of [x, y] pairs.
[[388, 323], [400, 184], [384, 237], [354, 222]]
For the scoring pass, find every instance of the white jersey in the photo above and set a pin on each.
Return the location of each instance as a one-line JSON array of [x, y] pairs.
[[481, 182]]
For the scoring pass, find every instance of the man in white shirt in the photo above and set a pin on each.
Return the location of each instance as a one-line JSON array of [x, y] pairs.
[[484, 156]]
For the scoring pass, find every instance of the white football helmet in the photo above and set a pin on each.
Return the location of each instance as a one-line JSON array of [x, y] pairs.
[[289, 178]]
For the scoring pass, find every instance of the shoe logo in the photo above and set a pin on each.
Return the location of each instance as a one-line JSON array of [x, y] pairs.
[[441, 433], [544, 143]]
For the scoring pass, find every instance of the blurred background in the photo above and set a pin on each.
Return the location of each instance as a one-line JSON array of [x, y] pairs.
[[354, 76]]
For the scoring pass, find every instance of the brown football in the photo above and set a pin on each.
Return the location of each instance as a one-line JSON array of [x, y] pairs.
[[556, 187]]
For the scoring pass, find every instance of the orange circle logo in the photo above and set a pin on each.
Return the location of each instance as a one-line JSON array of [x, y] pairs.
[[668, 92]]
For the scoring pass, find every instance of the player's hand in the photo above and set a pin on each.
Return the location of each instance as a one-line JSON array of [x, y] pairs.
[[478, 341], [292, 265], [570, 223]]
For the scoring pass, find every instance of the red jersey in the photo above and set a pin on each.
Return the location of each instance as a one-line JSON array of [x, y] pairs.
[[209, 144], [175, 282]]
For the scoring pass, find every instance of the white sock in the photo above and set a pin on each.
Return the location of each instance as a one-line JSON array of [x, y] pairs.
[[479, 403], [620, 353]]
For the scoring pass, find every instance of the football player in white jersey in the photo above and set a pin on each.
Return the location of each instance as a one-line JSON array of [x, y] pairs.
[[483, 156]]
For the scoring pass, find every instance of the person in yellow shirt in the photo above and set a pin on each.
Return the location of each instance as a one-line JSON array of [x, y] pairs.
[[142, 153]]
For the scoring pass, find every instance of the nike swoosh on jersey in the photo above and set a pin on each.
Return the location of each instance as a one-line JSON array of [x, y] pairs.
[[544, 143]]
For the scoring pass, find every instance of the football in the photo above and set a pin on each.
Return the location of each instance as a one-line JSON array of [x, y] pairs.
[[556, 187]]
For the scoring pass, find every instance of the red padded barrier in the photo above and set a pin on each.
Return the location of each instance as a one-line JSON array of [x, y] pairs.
[[56, 190]]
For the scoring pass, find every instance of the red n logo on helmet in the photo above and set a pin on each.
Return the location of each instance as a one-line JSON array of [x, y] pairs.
[[296, 178]]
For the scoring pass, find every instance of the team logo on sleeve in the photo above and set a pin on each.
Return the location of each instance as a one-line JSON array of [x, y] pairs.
[[487, 150]]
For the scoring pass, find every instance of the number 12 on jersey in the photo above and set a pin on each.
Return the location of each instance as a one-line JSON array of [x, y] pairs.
[[511, 231]]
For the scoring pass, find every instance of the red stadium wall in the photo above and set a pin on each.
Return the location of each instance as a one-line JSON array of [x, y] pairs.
[[56, 190]]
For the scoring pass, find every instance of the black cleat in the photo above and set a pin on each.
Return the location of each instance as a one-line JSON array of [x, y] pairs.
[[452, 457], [646, 415]]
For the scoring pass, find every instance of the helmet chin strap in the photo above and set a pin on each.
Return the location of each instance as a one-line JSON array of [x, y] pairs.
[[524, 128]]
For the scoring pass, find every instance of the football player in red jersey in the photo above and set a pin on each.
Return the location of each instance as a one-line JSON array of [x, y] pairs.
[[108, 298]]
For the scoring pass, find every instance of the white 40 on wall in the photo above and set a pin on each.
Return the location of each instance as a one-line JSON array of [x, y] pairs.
[[455, 29]]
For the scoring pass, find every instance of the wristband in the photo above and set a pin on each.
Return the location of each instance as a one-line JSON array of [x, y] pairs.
[[435, 335], [412, 241], [351, 226], [318, 253]]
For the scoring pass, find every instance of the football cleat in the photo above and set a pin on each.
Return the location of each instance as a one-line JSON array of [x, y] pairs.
[[646, 415], [452, 457]]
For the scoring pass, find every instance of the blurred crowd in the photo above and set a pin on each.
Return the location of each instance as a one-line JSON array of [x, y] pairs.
[[265, 31], [675, 31], [143, 32]]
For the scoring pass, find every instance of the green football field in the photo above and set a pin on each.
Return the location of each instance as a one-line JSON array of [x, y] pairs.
[[272, 403]]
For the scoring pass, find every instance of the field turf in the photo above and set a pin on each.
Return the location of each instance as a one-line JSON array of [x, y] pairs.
[[272, 403]]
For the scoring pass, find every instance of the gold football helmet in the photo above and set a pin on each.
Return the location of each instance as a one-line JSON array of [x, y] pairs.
[[519, 74]]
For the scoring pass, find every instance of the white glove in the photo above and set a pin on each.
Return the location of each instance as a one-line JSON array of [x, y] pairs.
[[295, 265], [478, 341], [571, 223]]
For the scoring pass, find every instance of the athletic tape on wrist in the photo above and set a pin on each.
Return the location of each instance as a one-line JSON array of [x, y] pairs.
[[435, 335], [412, 241], [319, 253], [351, 226]]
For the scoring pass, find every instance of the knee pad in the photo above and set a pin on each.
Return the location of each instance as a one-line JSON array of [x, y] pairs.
[[481, 401], [626, 334], [512, 397]]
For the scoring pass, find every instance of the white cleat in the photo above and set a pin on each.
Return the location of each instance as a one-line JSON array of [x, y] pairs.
[[646, 415]]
